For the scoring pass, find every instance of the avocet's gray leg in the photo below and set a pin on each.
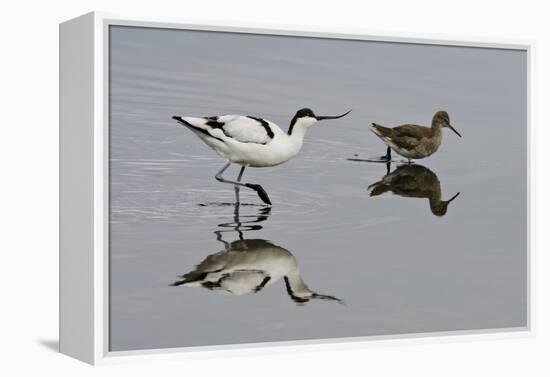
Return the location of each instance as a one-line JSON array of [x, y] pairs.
[[259, 189], [240, 174], [219, 175], [237, 188], [236, 215]]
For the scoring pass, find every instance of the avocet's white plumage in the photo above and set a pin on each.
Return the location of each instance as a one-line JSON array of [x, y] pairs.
[[252, 141], [243, 140]]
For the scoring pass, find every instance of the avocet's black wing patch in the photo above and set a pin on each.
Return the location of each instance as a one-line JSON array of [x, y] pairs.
[[264, 124], [214, 123], [245, 129]]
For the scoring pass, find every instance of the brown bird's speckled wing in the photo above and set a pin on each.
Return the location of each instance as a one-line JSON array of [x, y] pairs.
[[409, 135], [414, 184], [405, 136], [412, 181], [412, 131]]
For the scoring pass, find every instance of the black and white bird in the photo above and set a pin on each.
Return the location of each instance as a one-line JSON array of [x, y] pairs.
[[252, 141], [247, 266]]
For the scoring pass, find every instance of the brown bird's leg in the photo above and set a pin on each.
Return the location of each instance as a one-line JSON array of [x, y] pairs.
[[387, 156]]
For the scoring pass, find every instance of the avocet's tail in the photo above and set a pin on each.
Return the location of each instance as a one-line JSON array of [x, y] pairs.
[[199, 124], [190, 277], [202, 127]]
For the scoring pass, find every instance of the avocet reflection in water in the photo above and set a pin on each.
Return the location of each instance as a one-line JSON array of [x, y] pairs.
[[414, 181], [249, 265]]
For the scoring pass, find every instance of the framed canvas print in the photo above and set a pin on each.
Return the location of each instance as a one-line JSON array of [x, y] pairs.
[[229, 188]]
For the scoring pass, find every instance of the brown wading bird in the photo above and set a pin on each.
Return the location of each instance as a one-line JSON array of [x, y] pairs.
[[412, 141], [414, 181]]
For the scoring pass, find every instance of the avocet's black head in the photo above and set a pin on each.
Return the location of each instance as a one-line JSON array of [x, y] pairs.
[[305, 112], [303, 294], [307, 118]]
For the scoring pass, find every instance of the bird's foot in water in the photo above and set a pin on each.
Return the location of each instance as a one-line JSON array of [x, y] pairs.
[[260, 191], [382, 159], [387, 156]]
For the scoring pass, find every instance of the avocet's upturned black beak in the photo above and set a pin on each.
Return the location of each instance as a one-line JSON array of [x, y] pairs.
[[176, 117], [332, 117], [455, 131], [327, 297]]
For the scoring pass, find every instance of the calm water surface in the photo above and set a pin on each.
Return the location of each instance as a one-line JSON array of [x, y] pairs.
[[332, 257]]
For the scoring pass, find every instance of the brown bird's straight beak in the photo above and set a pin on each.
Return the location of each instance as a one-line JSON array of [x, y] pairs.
[[455, 131], [332, 117], [453, 198]]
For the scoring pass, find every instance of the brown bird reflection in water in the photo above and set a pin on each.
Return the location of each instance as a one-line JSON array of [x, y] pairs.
[[414, 181], [249, 265]]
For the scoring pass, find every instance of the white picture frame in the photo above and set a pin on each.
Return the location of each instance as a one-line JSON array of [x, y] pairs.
[[84, 300]]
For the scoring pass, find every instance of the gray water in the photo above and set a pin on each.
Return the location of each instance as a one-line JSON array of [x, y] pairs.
[[394, 266]]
